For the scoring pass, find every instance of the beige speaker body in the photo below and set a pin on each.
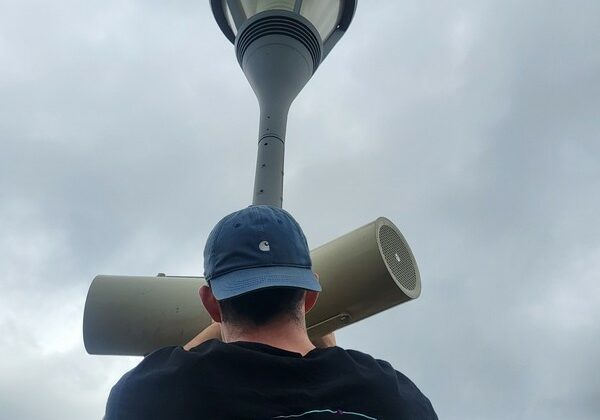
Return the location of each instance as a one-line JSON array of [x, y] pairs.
[[362, 273]]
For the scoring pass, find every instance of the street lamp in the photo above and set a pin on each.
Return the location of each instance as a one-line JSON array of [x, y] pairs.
[[279, 45]]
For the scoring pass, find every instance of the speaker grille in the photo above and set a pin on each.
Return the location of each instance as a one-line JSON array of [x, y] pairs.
[[280, 25], [398, 257]]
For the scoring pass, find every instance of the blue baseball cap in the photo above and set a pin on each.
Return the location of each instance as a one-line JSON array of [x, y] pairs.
[[255, 248]]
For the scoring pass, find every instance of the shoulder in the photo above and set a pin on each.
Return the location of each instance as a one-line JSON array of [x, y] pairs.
[[364, 360], [133, 393], [162, 378], [119, 392], [397, 386]]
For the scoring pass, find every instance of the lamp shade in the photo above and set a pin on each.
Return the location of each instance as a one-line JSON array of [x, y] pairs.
[[329, 18]]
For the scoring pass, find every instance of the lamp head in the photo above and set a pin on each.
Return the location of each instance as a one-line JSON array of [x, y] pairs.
[[279, 45], [327, 19]]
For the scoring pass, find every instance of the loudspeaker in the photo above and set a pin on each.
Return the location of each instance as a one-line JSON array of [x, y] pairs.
[[362, 273]]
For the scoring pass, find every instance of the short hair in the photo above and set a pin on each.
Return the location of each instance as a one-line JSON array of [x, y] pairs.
[[259, 307]]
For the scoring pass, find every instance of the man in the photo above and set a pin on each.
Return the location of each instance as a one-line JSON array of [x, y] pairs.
[[256, 361]]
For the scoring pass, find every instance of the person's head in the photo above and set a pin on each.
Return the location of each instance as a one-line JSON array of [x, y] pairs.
[[258, 268]]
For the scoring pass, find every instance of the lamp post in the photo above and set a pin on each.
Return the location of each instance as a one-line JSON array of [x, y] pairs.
[[279, 45]]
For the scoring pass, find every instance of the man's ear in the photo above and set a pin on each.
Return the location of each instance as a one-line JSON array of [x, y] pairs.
[[210, 303], [310, 300]]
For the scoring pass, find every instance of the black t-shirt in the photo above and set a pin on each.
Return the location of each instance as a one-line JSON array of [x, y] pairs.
[[254, 381]]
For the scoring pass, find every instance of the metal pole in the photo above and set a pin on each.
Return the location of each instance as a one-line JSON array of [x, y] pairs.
[[278, 67], [268, 180]]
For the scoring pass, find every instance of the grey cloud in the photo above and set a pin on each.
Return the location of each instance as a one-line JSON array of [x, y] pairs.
[[128, 130]]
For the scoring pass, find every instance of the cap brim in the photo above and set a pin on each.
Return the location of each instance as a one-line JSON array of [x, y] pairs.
[[243, 281]]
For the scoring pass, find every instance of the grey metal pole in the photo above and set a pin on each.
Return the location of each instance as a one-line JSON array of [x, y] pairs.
[[268, 179], [277, 67]]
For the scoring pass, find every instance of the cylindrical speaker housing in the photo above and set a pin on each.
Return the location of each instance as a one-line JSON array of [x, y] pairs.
[[362, 273], [134, 315]]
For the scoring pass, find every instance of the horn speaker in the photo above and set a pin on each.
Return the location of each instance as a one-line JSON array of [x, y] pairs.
[[362, 273]]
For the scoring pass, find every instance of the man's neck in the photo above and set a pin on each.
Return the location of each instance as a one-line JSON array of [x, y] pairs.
[[286, 335]]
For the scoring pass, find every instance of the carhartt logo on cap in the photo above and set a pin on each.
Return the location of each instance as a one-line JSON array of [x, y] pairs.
[[264, 246]]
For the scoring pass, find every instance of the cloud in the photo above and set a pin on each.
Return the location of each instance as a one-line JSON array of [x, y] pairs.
[[127, 130]]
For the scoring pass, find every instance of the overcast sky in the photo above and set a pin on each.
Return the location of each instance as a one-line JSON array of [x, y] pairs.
[[127, 130]]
